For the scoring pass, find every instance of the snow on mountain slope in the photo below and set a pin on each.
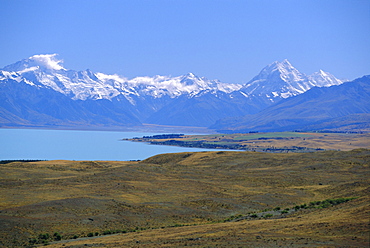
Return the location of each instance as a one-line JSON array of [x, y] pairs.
[[47, 71], [5, 75], [188, 84], [45, 61], [324, 79], [164, 100], [277, 80], [281, 80]]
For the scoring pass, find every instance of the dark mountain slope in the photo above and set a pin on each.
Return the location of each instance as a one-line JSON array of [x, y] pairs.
[[23, 104], [205, 109], [312, 107]]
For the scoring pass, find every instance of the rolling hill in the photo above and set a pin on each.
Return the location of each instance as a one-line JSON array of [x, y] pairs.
[[201, 199]]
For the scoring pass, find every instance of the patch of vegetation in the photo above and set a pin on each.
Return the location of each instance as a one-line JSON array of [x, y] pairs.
[[328, 202], [45, 238], [266, 213], [57, 236], [233, 217], [163, 136]]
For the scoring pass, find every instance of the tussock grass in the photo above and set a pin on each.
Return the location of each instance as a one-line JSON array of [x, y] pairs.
[[173, 199]]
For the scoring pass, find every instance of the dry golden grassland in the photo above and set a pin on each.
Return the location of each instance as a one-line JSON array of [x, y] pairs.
[[183, 199]]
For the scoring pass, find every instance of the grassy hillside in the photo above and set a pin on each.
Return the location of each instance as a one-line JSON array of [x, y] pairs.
[[203, 199]]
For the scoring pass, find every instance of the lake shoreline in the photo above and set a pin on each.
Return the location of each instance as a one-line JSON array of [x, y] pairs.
[[270, 142], [71, 144]]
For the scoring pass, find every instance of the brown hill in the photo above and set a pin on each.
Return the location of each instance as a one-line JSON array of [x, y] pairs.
[[173, 200]]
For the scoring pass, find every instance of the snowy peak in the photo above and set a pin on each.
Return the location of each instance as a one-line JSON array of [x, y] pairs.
[[282, 80], [324, 79], [284, 65], [280, 70], [46, 71], [198, 83], [191, 79], [42, 61]]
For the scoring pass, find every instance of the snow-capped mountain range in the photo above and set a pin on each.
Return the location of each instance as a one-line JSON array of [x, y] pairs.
[[186, 100], [47, 71]]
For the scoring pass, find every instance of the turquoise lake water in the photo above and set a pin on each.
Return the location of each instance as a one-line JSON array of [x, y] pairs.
[[78, 145]]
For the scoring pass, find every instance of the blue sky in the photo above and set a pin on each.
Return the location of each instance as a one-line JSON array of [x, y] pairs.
[[218, 39]]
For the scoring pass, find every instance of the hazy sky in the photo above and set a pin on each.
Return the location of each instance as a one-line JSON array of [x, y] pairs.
[[229, 40]]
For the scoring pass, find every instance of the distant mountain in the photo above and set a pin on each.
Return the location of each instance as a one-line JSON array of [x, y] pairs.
[[39, 91], [23, 104], [281, 80], [327, 108]]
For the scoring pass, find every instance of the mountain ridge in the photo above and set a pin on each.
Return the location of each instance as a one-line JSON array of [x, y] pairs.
[[42, 65], [186, 100], [309, 110], [287, 81]]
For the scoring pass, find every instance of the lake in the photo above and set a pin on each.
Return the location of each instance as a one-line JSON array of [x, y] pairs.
[[78, 145]]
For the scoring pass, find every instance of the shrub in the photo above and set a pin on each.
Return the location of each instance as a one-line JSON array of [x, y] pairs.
[[253, 215], [284, 211], [90, 235], [45, 242], [33, 241], [325, 204], [277, 209], [268, 215], [304, 205], [57, 236], [44, 236]]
